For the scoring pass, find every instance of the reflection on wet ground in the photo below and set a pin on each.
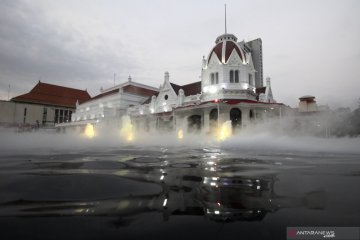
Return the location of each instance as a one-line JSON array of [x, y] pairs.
[[175, 193]]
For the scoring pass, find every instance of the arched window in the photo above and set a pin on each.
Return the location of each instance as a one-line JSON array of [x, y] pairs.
[[236, 76], [231, 76], [194, 123], [217, 78], [235, 117], [212, 79]]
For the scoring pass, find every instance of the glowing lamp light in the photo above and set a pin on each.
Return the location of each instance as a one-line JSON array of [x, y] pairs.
[[165, 202], [180, 134], [89, 130], [225, 131], [212, 89], [126, 131]]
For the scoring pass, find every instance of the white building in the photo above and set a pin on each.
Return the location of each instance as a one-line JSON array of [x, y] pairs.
[[111, 104], [231, 90]]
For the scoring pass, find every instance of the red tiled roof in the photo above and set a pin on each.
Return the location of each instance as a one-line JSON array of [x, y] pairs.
[[105, 94], [49, 94], [260, 90], [192, 88], [175, 87], [189, 89], [230, 46], [129, 89], [149, 99], [217, 50], [139, 91]]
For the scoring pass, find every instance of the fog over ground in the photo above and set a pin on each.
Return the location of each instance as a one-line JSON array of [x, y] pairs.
[[272, 137], [309, 47]]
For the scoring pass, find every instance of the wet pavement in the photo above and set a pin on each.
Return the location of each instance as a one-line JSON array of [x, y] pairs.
[[175, 193]]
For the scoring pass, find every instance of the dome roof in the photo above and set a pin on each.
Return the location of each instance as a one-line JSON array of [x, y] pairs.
[[225, 45]]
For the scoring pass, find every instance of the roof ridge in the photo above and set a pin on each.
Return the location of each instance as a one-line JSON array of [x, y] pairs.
[[43, 83], [47, 94], [191, 83]]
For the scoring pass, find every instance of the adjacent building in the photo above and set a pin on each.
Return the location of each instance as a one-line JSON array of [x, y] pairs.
[[45, 105]]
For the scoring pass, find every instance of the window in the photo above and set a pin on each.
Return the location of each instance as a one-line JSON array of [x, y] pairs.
[[25, 111], [61, 118], [214, 78], [66, 112], [44, 117], [166, 97], [236, 76], [250, 79], [56, 119], [231, 76]]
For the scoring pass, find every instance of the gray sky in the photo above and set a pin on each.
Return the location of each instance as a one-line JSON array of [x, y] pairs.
[[309, 46]]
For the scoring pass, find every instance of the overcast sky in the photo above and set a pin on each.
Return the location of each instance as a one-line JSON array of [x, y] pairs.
[[309, 46]]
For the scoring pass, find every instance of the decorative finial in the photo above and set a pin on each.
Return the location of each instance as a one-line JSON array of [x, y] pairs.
[[129, 78]]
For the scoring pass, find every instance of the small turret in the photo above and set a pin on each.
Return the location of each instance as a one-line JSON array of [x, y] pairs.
[[166, 76], [203, 62]]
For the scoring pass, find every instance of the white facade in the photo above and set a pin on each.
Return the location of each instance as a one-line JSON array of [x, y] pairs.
[[228, 72], [227, 93], [111, 103], [17, 114], [166, 100]]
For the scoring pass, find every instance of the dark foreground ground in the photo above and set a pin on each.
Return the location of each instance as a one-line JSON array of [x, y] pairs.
[[175, 193]]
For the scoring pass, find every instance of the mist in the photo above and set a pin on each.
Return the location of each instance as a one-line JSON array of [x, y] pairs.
[[267, 136]]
